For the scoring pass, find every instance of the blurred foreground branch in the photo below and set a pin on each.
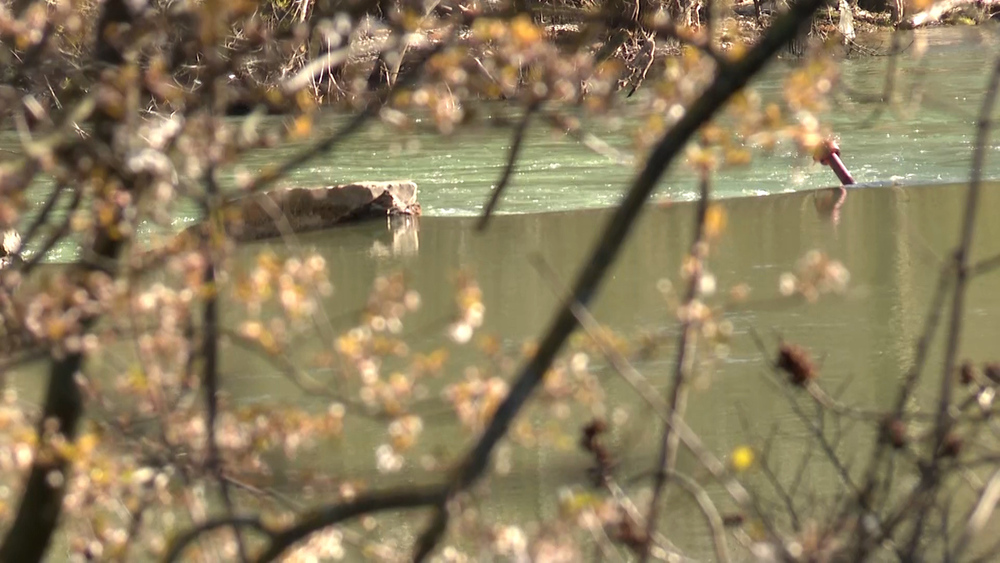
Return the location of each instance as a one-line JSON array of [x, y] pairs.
[[609, 243]]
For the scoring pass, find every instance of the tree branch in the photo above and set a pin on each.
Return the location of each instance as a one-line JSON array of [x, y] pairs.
[[364, 504], [962, 256], [667, 459], [41, 503], [944, 421], [609, 243], [178, 546], [508, 171]]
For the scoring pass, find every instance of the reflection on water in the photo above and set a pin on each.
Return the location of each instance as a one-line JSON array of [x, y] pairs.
[[405, 238]]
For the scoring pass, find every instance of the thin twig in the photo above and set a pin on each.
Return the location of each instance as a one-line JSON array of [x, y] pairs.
[[962, 256], [43, 215], [572, 127], [304, 77], [650, 395], [712, 517], [980, 515], [784, 494], [61, 231], [210, 352], [924, 343], [178, 546], [508, 170], [816, 428], [984, 266], [944, 422], [881, 447], [408, 497], [667, 460]]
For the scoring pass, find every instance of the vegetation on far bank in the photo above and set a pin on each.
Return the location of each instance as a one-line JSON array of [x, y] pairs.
[[343, 49]]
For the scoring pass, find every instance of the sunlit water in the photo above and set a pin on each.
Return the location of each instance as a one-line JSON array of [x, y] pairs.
[[891, 240], [929, 143]]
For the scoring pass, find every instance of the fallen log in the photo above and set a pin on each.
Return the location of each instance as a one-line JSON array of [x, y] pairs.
[[299, 210]]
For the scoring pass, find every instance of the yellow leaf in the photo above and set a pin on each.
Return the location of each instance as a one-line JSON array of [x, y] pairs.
[[301, 128], [87, 443], [715, 221], [525, 32]]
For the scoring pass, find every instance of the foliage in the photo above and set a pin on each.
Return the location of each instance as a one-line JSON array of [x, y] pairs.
[[135, 451]]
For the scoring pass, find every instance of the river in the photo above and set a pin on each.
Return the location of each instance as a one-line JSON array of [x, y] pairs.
[[892, 237]]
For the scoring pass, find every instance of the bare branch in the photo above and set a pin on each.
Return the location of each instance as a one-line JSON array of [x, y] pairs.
[[667, 460], [980, 514], [944, 420], [408, 497], [268, 176], [41, 503], [962, 256], [61, 231], [923, 345], [985, 266], [609, 243], [309, 72], [659, 405], [571, 126], [210, 352], [178, 546], [712, 517], [43, 214], [508, 171]]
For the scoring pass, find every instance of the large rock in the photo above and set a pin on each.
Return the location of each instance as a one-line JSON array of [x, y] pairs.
[[299, 210]]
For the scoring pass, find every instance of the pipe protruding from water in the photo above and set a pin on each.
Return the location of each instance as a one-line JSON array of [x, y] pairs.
[[828, 154]]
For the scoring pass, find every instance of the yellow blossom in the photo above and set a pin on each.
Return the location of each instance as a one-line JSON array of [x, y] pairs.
[[742, 458]]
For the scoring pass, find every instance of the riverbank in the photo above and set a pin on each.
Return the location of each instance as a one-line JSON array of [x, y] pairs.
[[914, 144], [284, 52]]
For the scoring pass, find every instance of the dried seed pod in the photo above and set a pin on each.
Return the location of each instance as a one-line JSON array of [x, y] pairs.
[[967, 373], [631, 534], [951, 446], [596, 427], [795, 361], [894, 432], [733, 520], [992, 371], [600, 473]]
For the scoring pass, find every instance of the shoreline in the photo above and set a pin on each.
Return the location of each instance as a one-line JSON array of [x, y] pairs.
[[253, 89]]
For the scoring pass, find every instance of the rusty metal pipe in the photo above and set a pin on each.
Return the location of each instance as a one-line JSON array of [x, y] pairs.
[[840, 170], [828, 154]]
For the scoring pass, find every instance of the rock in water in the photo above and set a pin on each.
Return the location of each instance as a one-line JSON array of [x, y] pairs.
[[299, 210]]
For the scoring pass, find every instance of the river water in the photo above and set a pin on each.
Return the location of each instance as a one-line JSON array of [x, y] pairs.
[[891, 238]]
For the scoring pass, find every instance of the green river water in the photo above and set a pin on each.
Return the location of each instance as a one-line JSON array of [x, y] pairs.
[[891, 239]]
